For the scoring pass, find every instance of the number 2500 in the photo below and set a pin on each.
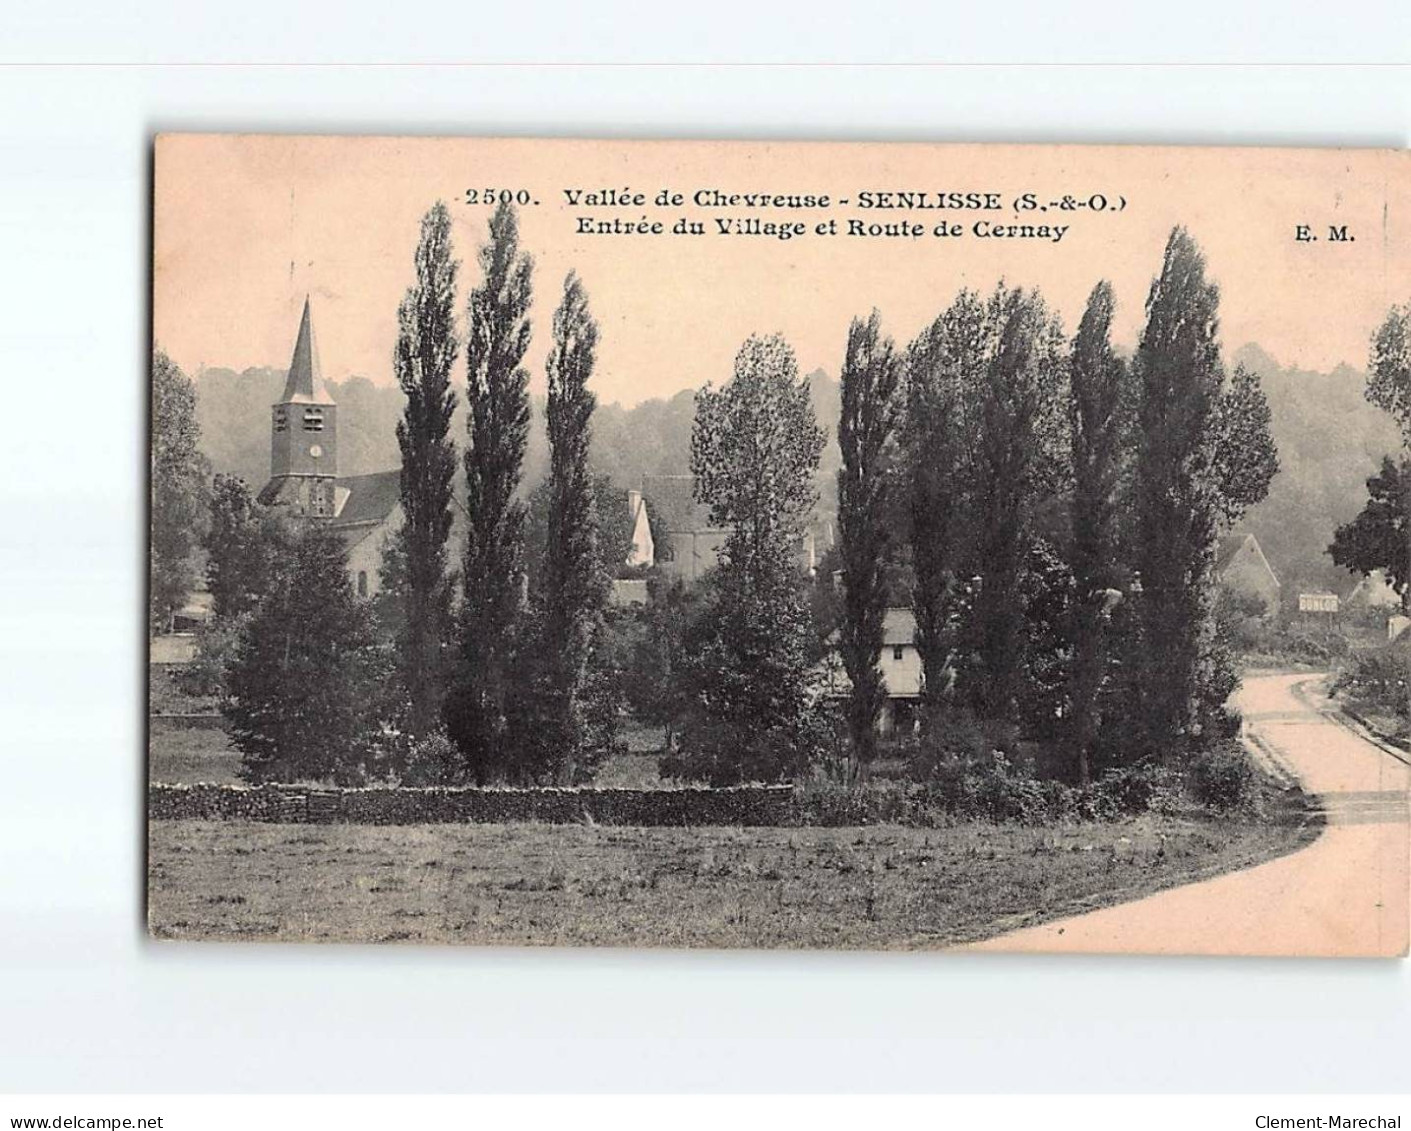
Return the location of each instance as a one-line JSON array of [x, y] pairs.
[[497, 196]]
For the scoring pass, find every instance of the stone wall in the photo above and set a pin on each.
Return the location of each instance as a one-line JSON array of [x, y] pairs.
[[385, 805]]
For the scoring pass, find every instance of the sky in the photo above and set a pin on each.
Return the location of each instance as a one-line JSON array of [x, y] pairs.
[[245, 226]]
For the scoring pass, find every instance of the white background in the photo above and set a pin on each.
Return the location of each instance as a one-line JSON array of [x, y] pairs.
[[86, 1003]]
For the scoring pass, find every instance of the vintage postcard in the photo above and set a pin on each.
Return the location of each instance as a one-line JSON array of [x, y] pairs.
[[780, 545]]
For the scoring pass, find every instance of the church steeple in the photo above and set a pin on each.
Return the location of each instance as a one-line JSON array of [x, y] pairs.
[[305, 384], [304, 432]]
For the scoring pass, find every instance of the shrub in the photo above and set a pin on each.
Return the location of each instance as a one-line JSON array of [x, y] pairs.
[[956, 739], [1222, 779], [828, 803], [1130, 790], [432, 760], [1376, 682], [216, 647]]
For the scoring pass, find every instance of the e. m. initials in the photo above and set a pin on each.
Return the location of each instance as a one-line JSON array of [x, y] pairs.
[[1337, 233]]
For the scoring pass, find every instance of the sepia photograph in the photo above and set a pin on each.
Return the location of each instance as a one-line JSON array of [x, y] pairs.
[[797, 545]]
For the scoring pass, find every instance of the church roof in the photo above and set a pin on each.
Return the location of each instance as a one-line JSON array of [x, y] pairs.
[[305, 384], [370, 498]]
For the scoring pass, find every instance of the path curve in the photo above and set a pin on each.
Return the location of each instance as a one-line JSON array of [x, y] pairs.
[[1344, 894]]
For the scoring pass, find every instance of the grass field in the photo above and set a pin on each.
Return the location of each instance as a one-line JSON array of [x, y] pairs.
[[884, 887], [183, 757]]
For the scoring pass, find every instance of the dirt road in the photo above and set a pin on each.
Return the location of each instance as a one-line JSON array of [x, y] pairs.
[[1345, 894]]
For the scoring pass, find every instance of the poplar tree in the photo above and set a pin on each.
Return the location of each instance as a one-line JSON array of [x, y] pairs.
[[1096, 381], [425, 353], [1177, 494], [1015, 457], [938, 419], [573, 585], [871, 380], [497, 402]]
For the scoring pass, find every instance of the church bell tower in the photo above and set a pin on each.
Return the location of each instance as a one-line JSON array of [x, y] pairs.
[[304, 435]]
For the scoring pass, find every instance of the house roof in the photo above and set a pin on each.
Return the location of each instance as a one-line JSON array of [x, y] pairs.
[[1374, 588], [305, 384], [899, 627], [672, 499], [1229, 545]]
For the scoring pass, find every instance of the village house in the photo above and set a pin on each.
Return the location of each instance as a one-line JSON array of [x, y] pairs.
[[697, 543], [900, 663], [1241, 567], [1374, 591]]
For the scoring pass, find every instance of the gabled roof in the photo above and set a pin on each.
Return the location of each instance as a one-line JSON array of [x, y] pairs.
[[1230, 545], [370, 498], [305, 384], [899, 627], [672, 499]]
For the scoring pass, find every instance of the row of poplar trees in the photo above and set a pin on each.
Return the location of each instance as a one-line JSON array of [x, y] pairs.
[[508, 668], [1054, 510]]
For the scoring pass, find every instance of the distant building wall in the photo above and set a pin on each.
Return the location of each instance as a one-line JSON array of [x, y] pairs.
[[366, 554], [693, 552]]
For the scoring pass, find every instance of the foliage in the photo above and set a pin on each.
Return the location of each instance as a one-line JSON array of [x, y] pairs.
[[1016, 456], [614, 531], [498, 422], [1047, 596], [989, 787], [217, 645], [431, 759], [303, 688], [1223, 778], [746, 677], [423, 358], [1389, 369], [655, 636], [1376, 681], [1379, 537], [1140, 788], [933, 441], [1329, 439], [1177, 499], [179, 473], [1245, 456], [871, 383], [246, 545], [1097, 380], [748, 711], [573, 590], [985, 440], [1240, 619], [754, 448]]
